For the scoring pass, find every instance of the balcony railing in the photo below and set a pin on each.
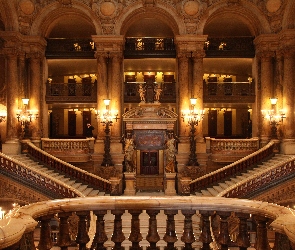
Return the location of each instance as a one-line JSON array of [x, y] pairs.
[[122, 222], [71, 92], [230, 92], [70, 48], [143, 47]]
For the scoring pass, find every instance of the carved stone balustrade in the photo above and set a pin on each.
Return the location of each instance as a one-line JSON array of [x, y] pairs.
[[111, 228]]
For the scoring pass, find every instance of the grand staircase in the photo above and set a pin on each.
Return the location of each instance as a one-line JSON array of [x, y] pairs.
[[84, 189], [220, 187]]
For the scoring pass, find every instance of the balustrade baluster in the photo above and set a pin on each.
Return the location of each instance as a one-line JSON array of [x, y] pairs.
[[188, 234], [261, 238], [223, 238], [243, 240], [135, 235], [205, 236], [118, 235], [153, 236], [45, 242], [82, 236], [170, 235], [64, 239], [100, 236]]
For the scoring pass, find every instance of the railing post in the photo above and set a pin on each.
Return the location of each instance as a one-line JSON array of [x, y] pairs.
[[135, 235], [223, 238], [261, 238], [243, 240], [205, 236], [170, 235], [64, 239], [153, 236], [118, 235], [188, 234], [100, 236], [45, 242], [82, 236]]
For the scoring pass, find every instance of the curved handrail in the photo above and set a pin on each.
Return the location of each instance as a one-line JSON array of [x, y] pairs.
[[255, 181], [39, 178], [233, 168], [68, 169], [22, 220]]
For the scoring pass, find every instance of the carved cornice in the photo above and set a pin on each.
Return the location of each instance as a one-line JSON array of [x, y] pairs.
[[189, 43], [109, 44], [267, 43]]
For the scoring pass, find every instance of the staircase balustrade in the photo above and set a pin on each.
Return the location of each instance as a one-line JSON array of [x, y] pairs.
[[19, 223], [69, 170], [232, 169]]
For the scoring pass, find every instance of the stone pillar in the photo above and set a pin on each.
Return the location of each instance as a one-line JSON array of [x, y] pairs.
[[35, 95], [130, 180], [170, 184]]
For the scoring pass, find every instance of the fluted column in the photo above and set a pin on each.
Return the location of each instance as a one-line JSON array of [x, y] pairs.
[[35, 94], [116, 92], [12, 97], [288, 94], [198, 88]]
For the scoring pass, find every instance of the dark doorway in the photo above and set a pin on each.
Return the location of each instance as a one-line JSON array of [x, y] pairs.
[[72, 123], [149, 163], [86, 119], [228, 123], [212, 123]]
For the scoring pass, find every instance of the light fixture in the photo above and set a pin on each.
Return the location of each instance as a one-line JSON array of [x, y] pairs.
[[192, 117], [3, 113], [275, 118], [25, 117], [106, 118]]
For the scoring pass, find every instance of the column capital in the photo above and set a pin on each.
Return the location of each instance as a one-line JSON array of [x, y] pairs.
[[190, 43], [266, 43], [109, 43]]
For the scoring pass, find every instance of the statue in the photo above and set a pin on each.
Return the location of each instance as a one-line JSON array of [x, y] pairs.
[[130, 154], [141, 92], [158, 92], [170, 155]]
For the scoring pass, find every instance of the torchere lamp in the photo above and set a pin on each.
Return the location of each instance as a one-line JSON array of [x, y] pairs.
[[275, 118], [192, 117], [106, 118]]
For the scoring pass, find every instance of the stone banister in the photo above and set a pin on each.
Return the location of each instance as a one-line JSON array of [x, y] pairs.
[[22, 221], [234, 168], [68, 169]]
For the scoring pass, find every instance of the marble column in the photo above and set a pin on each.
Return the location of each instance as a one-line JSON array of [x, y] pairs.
[[183, 90], [12, 97], [266, 93], [35, 94]]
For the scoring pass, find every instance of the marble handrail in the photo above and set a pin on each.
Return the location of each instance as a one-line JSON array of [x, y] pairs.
[[24, 219]]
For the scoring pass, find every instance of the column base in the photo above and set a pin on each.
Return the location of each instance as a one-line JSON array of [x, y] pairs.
[[11, 147], [130, 183], [288, 146], [170, 184]]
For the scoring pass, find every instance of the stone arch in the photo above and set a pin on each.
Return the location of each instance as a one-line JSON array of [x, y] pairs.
[[48, 18], [249, 15], [167, 17], [9, 16], [289, 16]]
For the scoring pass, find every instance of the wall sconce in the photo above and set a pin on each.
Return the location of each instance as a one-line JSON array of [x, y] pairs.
[[106, 118], [25, 117], [192, 117], [274, 118], [3, 113]]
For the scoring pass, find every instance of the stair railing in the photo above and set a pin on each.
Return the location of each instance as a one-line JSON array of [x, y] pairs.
[[233, 169], [18, 225], [68, 169]]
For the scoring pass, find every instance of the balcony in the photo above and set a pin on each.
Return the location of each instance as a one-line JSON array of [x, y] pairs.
[[230, 47], [69, 48], [71, 92], [146, 47]]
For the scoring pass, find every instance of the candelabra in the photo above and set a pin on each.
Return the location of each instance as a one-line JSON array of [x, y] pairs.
[[25, 117], [274, 118], [106, 118], [192, 117]]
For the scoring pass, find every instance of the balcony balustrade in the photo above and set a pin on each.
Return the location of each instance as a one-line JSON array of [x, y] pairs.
[[139, 221], [71, 92]]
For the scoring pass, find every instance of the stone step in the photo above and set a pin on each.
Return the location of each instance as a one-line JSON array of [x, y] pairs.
[[218, 188], [212, 191], [206, 193]]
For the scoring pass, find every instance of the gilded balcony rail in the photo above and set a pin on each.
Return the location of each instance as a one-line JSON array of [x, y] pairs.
[[17, 227]]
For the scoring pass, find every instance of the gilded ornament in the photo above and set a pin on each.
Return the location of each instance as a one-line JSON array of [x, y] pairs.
[[191, 8], [273, 5], [27, 7], [107, 8]]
